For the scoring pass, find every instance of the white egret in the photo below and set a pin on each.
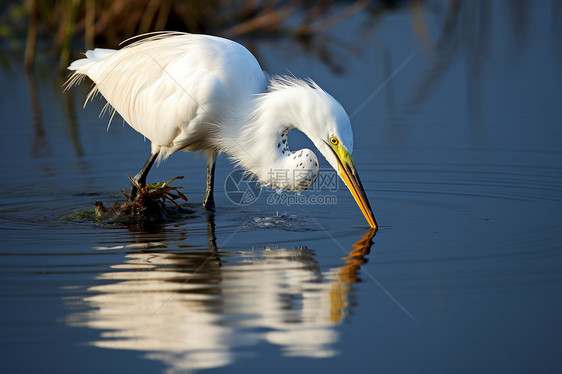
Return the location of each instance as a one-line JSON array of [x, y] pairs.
[[200, 93]]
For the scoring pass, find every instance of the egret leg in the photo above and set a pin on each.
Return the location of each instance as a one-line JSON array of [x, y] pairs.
[[212, 238], [209, 201], [140, 178]]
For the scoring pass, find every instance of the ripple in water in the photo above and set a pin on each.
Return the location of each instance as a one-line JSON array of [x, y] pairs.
[[283, 221]]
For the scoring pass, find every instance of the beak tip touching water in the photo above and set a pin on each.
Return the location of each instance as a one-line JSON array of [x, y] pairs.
[[349, 175]]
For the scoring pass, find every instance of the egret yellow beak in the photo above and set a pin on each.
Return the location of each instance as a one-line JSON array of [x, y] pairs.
[[347, 171]]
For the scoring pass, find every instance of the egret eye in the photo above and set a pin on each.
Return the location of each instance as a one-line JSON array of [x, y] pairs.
[[334, 140]]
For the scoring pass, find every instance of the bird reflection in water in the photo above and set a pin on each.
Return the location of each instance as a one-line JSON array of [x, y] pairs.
[[200, 309]]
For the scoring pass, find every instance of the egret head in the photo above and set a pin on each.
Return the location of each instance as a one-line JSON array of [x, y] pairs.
[[328, 126], [294, 103]]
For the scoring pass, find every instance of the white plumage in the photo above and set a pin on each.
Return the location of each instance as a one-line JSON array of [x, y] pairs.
[[203, 93]]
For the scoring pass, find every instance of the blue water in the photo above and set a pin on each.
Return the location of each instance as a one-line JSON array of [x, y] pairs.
[[460, 154]]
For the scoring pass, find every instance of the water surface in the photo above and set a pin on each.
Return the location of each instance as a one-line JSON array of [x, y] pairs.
[[460, 156]]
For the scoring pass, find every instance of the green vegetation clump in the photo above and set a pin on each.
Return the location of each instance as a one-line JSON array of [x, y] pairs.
[[153, 203], [82, 215]]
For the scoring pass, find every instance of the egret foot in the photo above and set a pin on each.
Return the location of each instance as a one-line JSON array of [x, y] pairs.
[[136, 182], [209, 203]]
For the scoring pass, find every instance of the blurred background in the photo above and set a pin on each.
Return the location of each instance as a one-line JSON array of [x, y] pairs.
[[56, 28]]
